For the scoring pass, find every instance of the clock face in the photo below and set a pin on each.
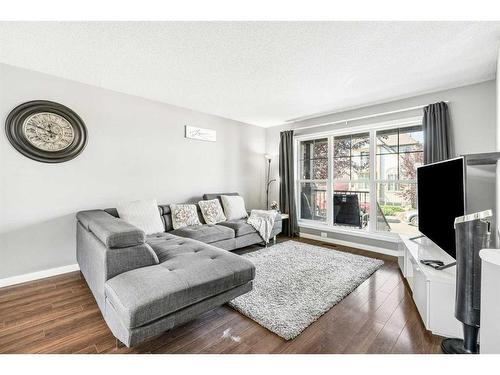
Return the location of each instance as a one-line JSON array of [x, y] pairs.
[[48, 131]]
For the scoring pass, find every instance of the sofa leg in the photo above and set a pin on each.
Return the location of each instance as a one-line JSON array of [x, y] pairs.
[[274, 240], [119, 344]]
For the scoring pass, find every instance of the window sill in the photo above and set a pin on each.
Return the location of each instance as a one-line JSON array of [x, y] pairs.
[[389, 237]]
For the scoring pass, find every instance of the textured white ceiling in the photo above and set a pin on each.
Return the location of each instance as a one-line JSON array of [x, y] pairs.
[[261, 73]]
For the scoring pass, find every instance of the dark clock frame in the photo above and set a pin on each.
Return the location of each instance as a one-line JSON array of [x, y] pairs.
[[14, 131]]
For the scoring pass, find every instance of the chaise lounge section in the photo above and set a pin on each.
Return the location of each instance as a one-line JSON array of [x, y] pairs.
[[146, 285]]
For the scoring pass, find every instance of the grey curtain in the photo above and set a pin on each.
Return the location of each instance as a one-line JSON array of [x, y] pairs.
[[438, 144], [287, 182]]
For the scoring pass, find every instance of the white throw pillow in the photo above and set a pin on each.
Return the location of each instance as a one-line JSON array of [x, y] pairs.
[[234, 207], [144, 214], [184, 215], [212, 211]]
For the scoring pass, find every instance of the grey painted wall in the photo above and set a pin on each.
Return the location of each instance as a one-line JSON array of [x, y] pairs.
[[136, 150], [473, 116]]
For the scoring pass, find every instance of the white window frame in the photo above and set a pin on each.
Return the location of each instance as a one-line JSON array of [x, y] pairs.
[[372, 129]]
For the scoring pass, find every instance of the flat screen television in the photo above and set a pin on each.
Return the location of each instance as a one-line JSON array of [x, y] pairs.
[[441, 198]]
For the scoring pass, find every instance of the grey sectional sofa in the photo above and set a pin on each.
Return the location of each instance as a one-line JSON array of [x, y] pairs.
[[146, 285]]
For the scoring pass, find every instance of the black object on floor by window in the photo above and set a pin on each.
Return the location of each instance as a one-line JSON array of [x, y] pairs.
[[346, 210]]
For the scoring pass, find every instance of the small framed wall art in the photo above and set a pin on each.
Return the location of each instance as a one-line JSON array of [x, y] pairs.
[[201, 134]]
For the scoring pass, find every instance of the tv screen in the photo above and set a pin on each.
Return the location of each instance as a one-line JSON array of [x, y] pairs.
[[441, 198]]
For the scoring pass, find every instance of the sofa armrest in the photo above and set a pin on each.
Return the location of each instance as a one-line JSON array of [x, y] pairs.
[[111, 231], [98, 263]]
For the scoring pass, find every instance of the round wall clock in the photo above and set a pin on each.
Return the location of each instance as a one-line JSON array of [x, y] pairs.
[[46, 131]]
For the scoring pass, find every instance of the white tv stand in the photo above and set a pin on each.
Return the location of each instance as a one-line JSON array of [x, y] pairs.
[[433, 291]]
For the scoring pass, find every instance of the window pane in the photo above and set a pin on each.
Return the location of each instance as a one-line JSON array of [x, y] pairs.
[[342, 168], [313, 163], [360, 168], [408, 163], [387, 141], [320, 168], [360, 144], [313, 201], [314, 169], [411, 139], [306, 150], [397, 208], [351, 204], [305, 169], [342, 146], [386, 165], [320, 149]]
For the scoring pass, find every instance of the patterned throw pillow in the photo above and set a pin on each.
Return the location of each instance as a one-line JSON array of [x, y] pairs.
[[184, 215], [212, 211]]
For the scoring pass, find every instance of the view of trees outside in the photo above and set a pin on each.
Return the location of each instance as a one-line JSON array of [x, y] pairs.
[[351, 157], [399, 152], [408, 167], [314, 159]]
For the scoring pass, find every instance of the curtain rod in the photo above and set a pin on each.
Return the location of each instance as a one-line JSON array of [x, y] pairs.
[[360, 117]]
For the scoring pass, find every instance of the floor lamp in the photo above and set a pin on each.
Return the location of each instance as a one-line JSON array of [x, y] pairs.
[[268, 182]]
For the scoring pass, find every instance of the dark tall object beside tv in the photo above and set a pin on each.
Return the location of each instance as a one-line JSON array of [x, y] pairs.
[[472, 234]]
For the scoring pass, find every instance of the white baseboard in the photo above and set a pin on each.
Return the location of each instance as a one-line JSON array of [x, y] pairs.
[[38, 275], [375, 249]]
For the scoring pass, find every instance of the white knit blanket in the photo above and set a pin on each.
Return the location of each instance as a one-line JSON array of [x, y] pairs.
[[263, 222]]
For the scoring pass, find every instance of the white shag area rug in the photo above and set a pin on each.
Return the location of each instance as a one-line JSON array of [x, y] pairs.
[[296, 283]]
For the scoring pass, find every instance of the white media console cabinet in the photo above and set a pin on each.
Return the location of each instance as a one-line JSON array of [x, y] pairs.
[[433, 291]]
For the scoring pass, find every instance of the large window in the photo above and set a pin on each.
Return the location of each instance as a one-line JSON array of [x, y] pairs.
[[364, 180]]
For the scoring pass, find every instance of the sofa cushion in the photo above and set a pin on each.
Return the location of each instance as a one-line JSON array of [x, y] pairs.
[[189, 272], [208, 196], [240, 227], [205, 233]]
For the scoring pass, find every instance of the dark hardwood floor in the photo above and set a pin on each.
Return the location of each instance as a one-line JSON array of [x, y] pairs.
[[60, 315]]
